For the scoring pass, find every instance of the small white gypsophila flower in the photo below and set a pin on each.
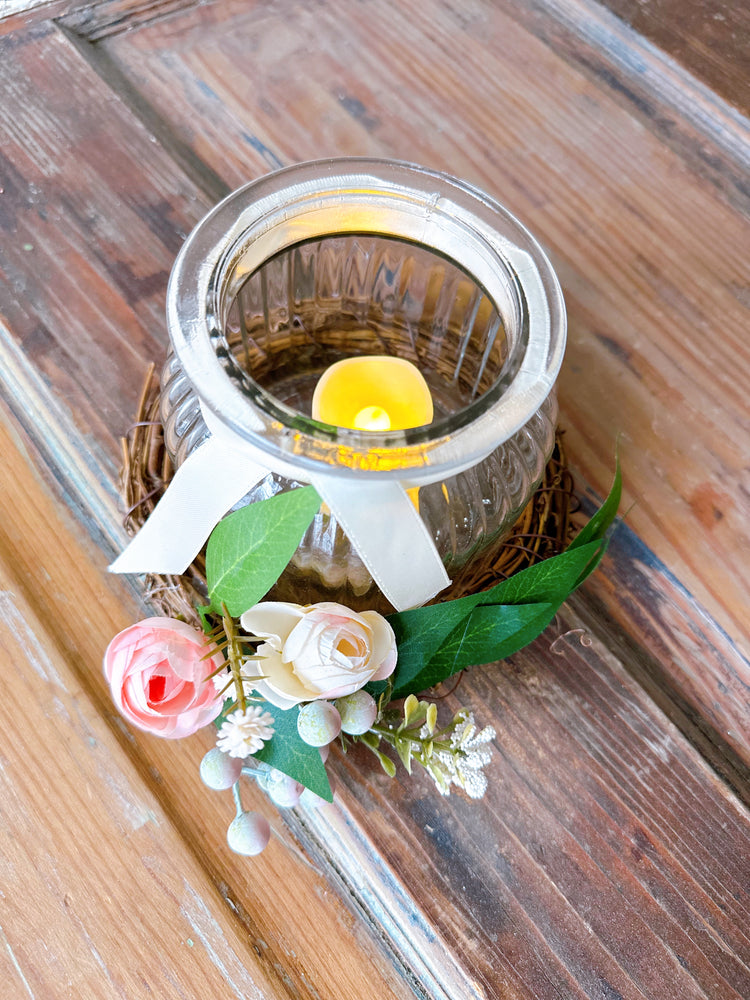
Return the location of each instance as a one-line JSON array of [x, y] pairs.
[[468, 764], [465, 727], [473, 781], [244, 732]]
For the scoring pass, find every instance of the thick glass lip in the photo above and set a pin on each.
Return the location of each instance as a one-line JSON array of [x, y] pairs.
[[378, 197]]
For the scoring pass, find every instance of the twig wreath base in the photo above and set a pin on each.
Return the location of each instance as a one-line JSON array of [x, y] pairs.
[[544, 529]]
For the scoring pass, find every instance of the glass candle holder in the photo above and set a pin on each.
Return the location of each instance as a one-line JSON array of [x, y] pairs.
[[340, 258]]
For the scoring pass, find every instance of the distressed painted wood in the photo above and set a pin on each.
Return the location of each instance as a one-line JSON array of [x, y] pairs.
[[71, 792], [580, 875], [90, 18], [710, 37], [609, 859]]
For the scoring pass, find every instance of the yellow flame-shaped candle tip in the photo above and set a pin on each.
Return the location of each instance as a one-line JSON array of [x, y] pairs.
[[372, 418], [373, 393]]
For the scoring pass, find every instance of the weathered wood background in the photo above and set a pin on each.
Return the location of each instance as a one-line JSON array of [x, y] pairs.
[[611, 857]]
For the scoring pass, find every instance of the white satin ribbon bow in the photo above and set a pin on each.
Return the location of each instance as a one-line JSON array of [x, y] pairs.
[[379, 519]]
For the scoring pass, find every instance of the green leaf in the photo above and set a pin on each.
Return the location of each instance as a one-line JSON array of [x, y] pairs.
[[403, 749], [550, 580], [437, 641], [371, 740], [249, 549], [425, 635], [601, 521], [204, 611], [386, 763], [491, 632], [288, 753], [421, 632]]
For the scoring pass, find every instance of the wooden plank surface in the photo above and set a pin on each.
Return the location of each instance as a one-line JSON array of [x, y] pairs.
[[90, 17], [66, 584], [614, 203], [583, 873], [608, 859], [97, 817], [710, 37], [70, 791]]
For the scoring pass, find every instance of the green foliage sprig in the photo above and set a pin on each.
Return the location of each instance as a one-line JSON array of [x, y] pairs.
[[437, 641], [453, 754]]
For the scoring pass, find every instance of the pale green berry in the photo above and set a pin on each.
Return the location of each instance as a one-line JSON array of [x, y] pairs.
[[318, 723], [249, 833], [219, 771], [357, 711], [281, 789]]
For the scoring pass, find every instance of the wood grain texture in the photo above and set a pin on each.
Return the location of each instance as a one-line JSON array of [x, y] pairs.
[[91, 223], [107, 17], [608, 860], [309, 943], [710, 37], [614, 203], [583, 873], [690, 666], [708, 135], [90, 18], [70, 793], [124, 817]]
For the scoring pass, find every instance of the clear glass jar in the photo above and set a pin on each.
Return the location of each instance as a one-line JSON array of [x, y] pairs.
[[344, 257]]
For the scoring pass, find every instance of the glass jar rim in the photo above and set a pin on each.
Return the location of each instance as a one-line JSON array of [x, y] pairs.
[[347, 196]]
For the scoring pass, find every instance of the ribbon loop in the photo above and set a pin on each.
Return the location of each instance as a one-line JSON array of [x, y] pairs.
[[379, 519], [194, 503]]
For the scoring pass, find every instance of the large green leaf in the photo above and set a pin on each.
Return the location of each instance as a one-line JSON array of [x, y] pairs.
[[421, 632], [437, 641], [291, 755], [489, 633], [602, 520], [550, 580], [249, 549]]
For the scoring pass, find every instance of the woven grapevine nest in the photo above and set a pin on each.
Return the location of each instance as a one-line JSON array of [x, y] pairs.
[[544, 528]]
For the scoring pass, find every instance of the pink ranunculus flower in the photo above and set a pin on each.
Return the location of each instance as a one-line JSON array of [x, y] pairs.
[[319, 651], [159, 679]]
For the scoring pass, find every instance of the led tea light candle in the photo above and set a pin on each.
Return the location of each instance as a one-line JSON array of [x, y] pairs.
[[330, 267], [373, 394]]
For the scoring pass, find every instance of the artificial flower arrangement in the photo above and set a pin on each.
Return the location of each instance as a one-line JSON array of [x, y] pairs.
[[282, 681]]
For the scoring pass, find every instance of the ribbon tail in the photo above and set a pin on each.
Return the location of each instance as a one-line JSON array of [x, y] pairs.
[[212, 480], [389, 536]]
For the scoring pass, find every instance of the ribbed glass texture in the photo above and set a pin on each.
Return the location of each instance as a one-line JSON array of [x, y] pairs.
[[339, 296]]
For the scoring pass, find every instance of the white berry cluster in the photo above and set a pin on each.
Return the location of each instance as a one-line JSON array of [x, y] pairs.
[[320, 722]]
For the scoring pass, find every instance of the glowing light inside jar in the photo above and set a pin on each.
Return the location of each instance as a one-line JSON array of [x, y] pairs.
[[373, 393], [372, 418]]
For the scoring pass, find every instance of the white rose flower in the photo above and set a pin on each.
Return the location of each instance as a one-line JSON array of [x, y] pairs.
[[319, 651]]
